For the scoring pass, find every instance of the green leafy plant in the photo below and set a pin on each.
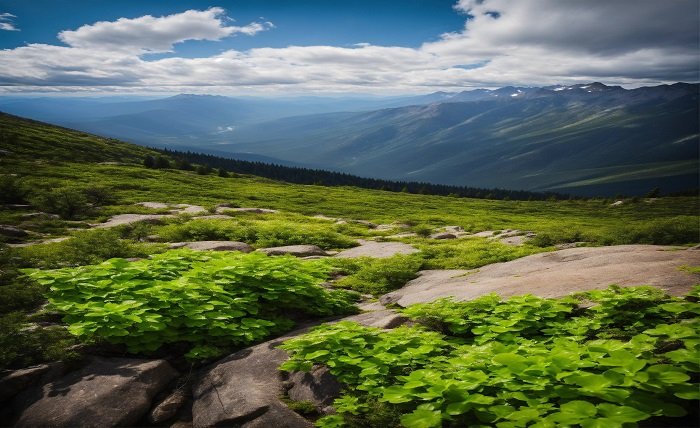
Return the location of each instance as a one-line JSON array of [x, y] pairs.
[[212, 301], [523, 362], [377, 276]]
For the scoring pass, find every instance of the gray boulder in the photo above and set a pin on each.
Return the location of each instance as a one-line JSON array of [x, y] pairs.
[[243, 390], [318, 386], [214, 246], [14, 382], [12, 231], [295, 250], [443, 235], [168, 407], [105, 393], [377, 249]]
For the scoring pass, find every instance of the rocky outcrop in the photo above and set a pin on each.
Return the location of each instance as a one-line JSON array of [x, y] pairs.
[[223, 209], [244, 391], [121, 219], [214, 246], [295, 250], [377, 249], [16, 381], [12, 231], [104, 393], [557, 274], [443, 235], [167, 408], [318, 386]]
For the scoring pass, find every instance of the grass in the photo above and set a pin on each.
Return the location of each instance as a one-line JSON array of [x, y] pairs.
[[64, 172]]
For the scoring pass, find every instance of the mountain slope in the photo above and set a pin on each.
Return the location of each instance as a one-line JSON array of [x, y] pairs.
[[535, 139]]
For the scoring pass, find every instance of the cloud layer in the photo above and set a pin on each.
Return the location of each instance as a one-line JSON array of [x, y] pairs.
[[503, 42]]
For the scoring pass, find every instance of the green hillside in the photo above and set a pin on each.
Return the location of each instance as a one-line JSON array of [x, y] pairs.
[[123, 291]]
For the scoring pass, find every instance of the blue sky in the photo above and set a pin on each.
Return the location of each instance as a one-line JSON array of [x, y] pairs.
[[383, 47], [296, 22]]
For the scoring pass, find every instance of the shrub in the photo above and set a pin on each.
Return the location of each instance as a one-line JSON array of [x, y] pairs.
[[469, 253], [68, 202], [523, 362], [11, 190], [213, 301], [378, 276], [23, 344], [88, 247], [262, 233]]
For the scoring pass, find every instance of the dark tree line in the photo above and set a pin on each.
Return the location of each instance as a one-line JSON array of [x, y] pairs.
[[205, 162]]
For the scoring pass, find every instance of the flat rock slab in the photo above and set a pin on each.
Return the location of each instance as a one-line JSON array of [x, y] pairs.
[[244, 391], [214, 246], [221, 210], [122, 219], [294, 250], [213, 217], [377, 249], [105, 393], [557, 274], [385, 319]]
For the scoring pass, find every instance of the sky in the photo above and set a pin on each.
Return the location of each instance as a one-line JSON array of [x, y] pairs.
[[272, 47]]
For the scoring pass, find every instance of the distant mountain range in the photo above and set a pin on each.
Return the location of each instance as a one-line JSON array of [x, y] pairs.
[[584, 139]]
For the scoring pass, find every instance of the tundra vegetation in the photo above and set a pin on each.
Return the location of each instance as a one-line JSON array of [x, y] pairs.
[[630, 357]]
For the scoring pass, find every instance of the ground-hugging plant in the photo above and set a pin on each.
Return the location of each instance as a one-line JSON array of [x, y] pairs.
[[523, 362], [212, 301]]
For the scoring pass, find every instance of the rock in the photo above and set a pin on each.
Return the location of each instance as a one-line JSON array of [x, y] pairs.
[[243, 390], [568, 245], [122, 219], [617, 203], [153, 238], [365, 223], [153, 205], [386, 227], [484, 234], [324, 217], [377, 249], [318, 386], [12, 231], [214, 246], [32, 216], [453, 229], [403, 235], [385, 319], [189, 209], [14, 382], [513, 241], [294, 250], [168, 407], [557, 274], [105, 393], [443, 235], [213, 217], [221, 210]]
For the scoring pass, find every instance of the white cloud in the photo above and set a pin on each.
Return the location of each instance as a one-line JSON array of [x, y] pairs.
[[7, 22], [503, 42], [157, 34]]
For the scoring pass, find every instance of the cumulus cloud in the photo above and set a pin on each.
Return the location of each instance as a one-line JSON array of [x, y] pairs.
[[7, 22], [502, 42], [157, 34]]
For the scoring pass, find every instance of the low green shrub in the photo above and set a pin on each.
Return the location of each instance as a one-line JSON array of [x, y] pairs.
[[469, 253], [213, 301], [377, 276], [23, 344], [523, 362], [85, 247], [263, 233]]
